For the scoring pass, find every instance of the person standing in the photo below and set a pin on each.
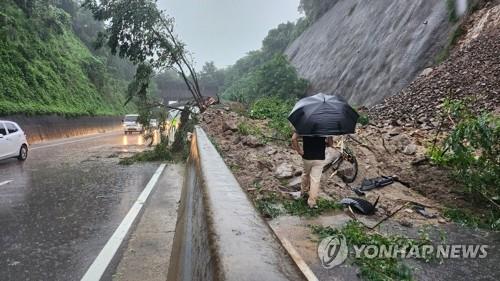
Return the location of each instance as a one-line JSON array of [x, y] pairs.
[[313, 156]]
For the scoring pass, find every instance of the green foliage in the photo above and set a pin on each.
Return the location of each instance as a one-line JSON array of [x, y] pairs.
[[278, 39], [246, 129], [314, 9], [275, 78], [272, 206], [277, 111], [240, 76], [471, 149], [211, 76], [300, 208], [452, 11], [490, 220], [187, 123], [138, 31], [452, 41], [161, 152], [45, 69], [378, 268], [268, 206], [363, 119]]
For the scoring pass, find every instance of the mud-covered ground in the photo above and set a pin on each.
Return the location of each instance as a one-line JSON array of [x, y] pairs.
[[266, 167]]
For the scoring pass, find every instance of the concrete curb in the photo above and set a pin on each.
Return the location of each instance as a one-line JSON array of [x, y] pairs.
[[46, 127], [219, 234]]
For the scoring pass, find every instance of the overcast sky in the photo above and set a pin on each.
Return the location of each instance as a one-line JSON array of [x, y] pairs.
[[225, 30]]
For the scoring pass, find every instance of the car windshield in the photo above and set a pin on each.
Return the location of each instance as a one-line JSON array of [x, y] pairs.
[[130, 118]]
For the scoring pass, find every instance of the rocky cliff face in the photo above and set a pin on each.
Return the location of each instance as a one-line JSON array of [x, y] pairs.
[[368, 50]]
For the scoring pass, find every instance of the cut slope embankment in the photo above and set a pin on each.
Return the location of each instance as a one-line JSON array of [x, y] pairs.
[[46, 69], [368, 50]]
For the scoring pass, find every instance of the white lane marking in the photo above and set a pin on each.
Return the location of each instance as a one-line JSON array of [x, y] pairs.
[[100, 264], [68, 142], [304, 268], [5, 182]]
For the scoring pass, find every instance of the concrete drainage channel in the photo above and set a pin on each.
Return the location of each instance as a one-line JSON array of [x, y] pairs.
[[219, 234]]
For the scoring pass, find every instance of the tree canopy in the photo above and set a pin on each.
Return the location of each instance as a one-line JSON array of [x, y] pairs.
[[314, 9], [139, 31]]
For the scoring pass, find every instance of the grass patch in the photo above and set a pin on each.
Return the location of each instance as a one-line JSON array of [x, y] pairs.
[[373, 269], [300, 208], [272, 207], [247, 129], [269, 207], [489, 221], [276, 110]]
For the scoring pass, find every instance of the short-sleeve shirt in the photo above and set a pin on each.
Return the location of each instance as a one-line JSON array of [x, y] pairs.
[[314, 148]]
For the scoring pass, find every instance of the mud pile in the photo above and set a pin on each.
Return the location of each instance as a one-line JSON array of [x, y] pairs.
[[471, 73]]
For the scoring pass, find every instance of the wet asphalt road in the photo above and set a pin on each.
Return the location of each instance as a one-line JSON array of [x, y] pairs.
[[64, 203]]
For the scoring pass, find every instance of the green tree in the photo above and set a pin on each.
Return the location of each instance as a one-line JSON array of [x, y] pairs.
[[211, 76], [143, 34], [138, 31], [275, 78], [314, 9]]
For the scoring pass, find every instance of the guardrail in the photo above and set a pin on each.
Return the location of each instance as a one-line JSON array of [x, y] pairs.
[[219, 234]]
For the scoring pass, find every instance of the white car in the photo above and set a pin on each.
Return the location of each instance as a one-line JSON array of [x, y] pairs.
[[130, 124], [13, 141]]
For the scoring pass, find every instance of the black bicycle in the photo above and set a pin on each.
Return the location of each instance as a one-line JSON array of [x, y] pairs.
[[345, 165]]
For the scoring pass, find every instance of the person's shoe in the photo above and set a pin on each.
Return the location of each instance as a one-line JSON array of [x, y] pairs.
[[312, 203]]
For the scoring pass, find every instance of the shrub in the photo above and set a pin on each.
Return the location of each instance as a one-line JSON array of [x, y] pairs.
[[247, 129], [472, 150], [277, 111]]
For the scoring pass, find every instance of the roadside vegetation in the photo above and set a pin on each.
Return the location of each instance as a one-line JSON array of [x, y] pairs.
[[459, 26], [265, 82], [376, 269], [471, 150], [314, 9], [46, 68], [272, 206], [158, 153]]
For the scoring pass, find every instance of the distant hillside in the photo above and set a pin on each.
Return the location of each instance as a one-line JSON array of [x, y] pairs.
[[46, 69]]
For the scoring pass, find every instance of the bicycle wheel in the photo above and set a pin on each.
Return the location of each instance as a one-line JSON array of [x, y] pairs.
[[348, 167]]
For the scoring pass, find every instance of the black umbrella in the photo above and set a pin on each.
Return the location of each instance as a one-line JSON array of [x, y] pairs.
[[323, 115]]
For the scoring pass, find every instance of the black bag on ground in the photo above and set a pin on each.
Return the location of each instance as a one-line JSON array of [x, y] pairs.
[[369, 184]]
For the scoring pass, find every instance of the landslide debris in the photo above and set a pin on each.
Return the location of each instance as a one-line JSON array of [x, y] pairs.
[[471, 73], [268, 168]]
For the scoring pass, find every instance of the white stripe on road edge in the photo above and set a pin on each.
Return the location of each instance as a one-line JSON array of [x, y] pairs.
[[5, 182], [68, 142], [298, 260], [98, 267]]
